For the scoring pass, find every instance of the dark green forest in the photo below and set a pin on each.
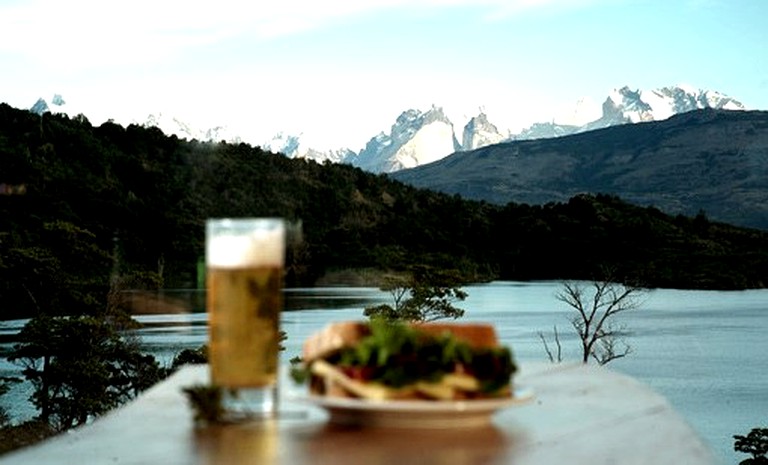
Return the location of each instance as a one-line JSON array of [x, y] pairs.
[[90, 210]]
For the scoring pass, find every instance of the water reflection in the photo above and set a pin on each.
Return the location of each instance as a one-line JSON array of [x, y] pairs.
[[332, 298]]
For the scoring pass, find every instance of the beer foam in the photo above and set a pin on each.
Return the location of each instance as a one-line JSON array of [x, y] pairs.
[[258, 248]]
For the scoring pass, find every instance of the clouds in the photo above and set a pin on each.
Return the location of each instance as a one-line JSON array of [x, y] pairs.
[[89, 33], [85, 33], [80, 37]]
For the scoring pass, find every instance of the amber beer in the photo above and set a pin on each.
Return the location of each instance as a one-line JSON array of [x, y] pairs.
[[244, 261], [245, 314]]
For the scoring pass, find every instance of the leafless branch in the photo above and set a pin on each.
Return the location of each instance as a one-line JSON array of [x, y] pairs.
[[595, 311], [552, 357]]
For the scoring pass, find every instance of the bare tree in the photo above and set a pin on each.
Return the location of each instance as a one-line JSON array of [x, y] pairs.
[[596, 305], [554, 358]]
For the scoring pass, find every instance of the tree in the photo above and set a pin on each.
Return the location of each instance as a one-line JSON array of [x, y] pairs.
[[190, 357], [52, 267], [5, 384], [424, 295], [755, 443], [556, 357], [80, 367], [596, 306]]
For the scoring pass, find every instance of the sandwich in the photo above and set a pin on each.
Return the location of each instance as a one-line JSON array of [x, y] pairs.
[[384, 360]]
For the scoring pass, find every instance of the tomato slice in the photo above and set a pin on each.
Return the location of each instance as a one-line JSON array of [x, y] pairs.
[[358, 373]]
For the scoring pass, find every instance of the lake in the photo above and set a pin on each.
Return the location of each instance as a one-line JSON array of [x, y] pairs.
[[704, 350]]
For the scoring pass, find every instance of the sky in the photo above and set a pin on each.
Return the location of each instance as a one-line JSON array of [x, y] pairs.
[[338, 72]]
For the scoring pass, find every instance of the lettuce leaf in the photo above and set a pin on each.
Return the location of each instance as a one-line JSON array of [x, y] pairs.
[[396, 355]]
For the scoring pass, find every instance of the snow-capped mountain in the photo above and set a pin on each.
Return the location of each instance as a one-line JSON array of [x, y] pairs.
[[40, 107], [479, 132], [284, 143], [56, 105], [545, 131], [624, 106], [173, 125], [291, 146], [415, 139], [633, 106], [166, 123]]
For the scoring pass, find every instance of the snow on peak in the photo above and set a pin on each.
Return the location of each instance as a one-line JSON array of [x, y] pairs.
[[479, 132], [415, 139], [56, 105], [40, 107], [173, 125], [420, 137], [283, 143], [293, 147], [626, 105]]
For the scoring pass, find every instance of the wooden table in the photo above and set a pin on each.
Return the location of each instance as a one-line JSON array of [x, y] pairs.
[[580, 415]]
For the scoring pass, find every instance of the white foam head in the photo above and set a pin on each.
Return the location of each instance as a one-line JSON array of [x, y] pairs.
[[232, 248]]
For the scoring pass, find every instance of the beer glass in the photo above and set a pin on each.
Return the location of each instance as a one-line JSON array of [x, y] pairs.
[[244, 280]]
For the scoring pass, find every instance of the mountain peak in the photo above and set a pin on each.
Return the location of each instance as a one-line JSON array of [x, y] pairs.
[[435, 114], [479, 132], [626, 105], [40, 107], [707, 159], [415, 139], [419, 137]]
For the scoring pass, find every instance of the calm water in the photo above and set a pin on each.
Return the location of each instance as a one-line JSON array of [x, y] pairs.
[[704, 350]]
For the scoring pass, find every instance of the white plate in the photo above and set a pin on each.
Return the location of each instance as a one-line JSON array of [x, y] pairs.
[[416, 413]]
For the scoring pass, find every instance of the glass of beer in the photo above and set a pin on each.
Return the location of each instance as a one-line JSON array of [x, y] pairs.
[[244, 265]]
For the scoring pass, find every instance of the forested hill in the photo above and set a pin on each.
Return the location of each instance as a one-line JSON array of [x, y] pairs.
[[84, 208]]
